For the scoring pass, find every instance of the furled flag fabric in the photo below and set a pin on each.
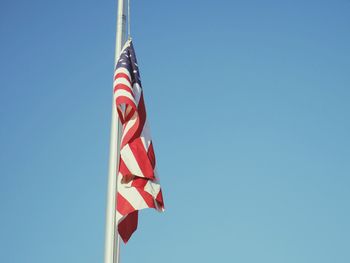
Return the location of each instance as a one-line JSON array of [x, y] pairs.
[[137, 183]]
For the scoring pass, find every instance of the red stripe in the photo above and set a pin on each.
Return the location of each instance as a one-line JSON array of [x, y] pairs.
[[122, 75], [123, 87], [128, 226], [123, 169], [123, 206], [141, 109], [147, 197], [142, 118], [129, 112], [159, 199], [120, 113], [139, 182], [151, 156], [125, 100], [141, 157], [130, 134]]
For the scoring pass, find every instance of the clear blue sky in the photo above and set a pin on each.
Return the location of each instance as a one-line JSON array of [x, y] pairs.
[[249, 105]]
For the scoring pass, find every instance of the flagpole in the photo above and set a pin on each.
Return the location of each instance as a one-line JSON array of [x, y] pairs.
[[112, 240]]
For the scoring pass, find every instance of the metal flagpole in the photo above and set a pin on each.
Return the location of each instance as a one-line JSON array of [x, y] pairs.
[[112, 240]]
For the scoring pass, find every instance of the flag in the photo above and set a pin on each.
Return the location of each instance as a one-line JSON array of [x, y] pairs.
[[137, 182]]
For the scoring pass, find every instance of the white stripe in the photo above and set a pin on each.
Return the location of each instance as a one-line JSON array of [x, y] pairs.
[[130, 161], [129, 125], [120, 184], [146, 136], [122, 70], [123, 81], [132, 196], [118, 215], [137, 92], [124, 93], [152, 188]]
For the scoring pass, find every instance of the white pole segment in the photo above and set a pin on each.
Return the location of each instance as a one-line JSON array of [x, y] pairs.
[[112, 237]]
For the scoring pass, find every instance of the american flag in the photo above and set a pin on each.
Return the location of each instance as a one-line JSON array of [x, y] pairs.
[[137, 182]]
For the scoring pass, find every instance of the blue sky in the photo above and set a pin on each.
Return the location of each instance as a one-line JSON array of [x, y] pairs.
[[248, 103]]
